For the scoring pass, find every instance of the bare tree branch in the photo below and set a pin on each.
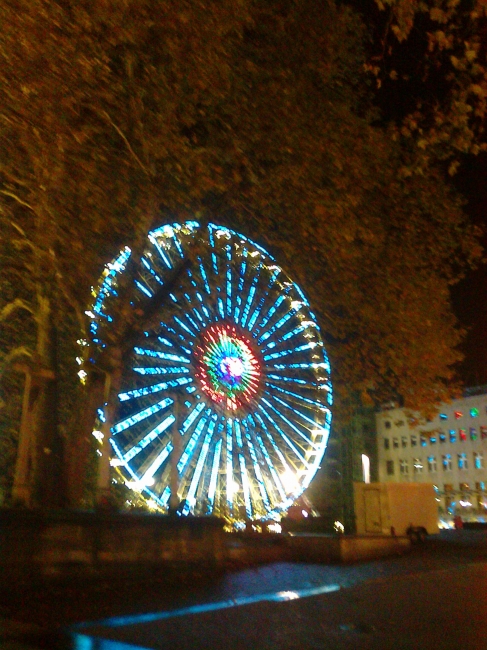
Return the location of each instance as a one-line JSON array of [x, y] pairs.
[[14, 354], [124, 138], [17, 199], [13, 306]]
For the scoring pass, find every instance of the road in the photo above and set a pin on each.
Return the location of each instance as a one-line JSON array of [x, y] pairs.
[[434, 598]]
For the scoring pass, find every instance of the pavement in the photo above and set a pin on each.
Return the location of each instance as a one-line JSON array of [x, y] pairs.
[[434, 598]]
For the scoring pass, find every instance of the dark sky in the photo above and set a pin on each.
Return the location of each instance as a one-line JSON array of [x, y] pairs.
[[470, 295]]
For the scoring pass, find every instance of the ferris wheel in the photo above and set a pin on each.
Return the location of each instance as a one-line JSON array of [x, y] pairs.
[[231, 385]]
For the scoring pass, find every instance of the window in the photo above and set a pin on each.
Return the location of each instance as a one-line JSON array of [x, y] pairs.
[[478, 460], [390, 467], [404, 442], [453, 435], [386, 443], [446, 462], [462, 434], [400, 423], [417, 466], [483, 432], [422, 441], [480, 486], [404, 466], [458, 415], [473, 433], [448, 488], [395, 443], [474, 413], [431, 463], [387, 424], [442, 437], [443, 416], [414, 441], [433, 439], [464, 487], [462, 461]]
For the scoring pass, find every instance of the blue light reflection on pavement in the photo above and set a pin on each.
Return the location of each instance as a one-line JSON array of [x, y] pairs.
[[85, 642], [121, 621]]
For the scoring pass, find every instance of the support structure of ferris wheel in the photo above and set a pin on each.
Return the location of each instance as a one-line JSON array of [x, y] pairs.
[[236, 355]]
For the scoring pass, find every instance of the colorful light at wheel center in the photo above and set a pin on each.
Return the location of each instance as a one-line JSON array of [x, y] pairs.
[[227, 367]]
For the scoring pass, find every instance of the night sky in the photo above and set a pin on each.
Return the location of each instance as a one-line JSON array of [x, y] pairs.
[[470, 295]]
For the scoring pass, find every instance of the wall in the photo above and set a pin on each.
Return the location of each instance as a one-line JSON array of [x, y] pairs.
[[36, 545]]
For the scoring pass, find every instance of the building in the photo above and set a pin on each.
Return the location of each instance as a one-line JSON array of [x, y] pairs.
[[449, 451]]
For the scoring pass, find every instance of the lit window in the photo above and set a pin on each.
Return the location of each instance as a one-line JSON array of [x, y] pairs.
[[458, 415], [404, 466], [433, 439], [422, 441], [386, 443], [446, 462], [417, 466], [473, 433], [478, 460], [390, 467], [404, 442], [464, 487], [453, 435], [395, 443], [414, 441], [431, 463], [442, 437], [462, 461], [483, 432], [443, 416], [462, 434], [480, 485], [474, 413]]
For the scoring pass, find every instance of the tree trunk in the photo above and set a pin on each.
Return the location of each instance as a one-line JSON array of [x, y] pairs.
[[38, 476]]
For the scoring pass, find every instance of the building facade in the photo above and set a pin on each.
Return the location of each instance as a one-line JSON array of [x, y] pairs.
[[449, 451]]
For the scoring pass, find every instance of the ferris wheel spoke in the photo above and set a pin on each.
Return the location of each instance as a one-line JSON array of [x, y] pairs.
[[140, 415], [299, 397], [160, 457], [251, 295], [268, 460], [161, 370], [190, 497], [146, 263], [241, 280], [190, 447], [214, 472], [258, 473], [229, 464], [245, 485], [284, 437], [204, 276], [265, 297], [286, 420], [154, 388], [164, 257], [148, 438]]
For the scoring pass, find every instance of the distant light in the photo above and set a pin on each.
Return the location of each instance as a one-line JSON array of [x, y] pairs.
[[339, 527], [98, 435], [366, 468]]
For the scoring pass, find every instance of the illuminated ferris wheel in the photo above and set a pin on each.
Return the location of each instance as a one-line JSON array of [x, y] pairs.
[[230, 386]]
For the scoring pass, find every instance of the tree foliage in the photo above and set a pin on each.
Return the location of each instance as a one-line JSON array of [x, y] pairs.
[[429, 58]]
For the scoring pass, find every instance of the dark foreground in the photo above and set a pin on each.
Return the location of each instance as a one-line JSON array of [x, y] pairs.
[[433, 598]]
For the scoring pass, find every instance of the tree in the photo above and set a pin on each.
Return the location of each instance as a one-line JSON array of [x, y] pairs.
[[116, 117], [429, 62]]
